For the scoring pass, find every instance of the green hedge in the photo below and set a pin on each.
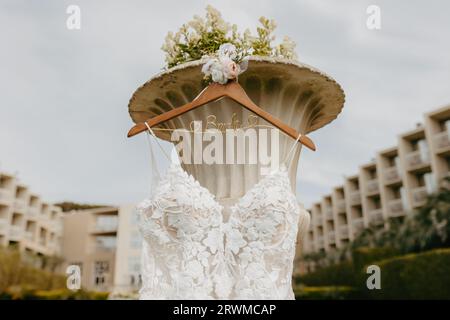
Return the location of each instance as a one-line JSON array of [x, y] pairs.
[[364, 256], [414, 276], [27, 293], [325, 293], [341, 274], [346, 273]]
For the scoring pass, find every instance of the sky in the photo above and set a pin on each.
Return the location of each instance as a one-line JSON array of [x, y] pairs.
[[64, 93]]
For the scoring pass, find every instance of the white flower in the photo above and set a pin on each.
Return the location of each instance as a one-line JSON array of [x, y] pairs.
[[246, 201], [227, 50], [230, 69], [214, 68], [206, 69], [214, 240], [252, 234], [235, 241], [255, 271], [194, 269], [246, 256], [203, 257], [222, 67], [218, 76], [157, 213], [266, 226]]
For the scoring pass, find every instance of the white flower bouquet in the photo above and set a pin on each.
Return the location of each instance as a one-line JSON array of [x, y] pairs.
[[205, 37]]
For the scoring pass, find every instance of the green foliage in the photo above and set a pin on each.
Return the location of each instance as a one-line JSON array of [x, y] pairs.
[[365, 255], [15, 272], [341, 274], [262, 44], [347, 272], [20, 279], [325, 293], [203, 37], [415, 276], [69, 206], [27, 293]]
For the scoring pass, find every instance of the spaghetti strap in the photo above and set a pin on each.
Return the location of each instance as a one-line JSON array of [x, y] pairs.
[[291, 151], [150, 131]]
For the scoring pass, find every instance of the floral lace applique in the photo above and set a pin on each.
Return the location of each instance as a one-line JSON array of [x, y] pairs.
[[190, 252]]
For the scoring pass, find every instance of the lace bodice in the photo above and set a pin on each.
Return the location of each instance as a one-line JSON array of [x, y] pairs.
[[197, 248]]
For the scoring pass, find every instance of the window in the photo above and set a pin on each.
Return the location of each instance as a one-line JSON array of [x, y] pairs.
[[430, 182], [106, 223], [105, 243], [101, 266], [423, 149], [101, 269], [342, 218], [330, 225], [135, 280]]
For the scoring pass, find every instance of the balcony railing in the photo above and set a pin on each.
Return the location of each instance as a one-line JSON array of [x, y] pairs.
[[56, 226], [96, 247], [332, 237], [6, 194], [20, 205], [343, 232], [442, 141], [340, 205], [104, 228], [376, 216], [419, 196], [396, 208], [15, 232], [415, 160], [53, 246], [355, 198], [358, 224], [329, 213], [3, 225], [372, 186], [33, 212], [391, 175], [320, 242], [29, 235], [318, 220]]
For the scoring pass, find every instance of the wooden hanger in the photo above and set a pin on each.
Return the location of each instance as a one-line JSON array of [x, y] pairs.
[[214, 92]]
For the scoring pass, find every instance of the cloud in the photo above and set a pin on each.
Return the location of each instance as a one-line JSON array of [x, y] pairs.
[[63, 113]]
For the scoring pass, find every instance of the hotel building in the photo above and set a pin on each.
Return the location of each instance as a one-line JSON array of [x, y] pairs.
[[27, 221], [396, 182], [105, 243]]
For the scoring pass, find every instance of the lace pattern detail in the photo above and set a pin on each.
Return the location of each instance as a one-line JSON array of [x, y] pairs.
[[191, 252]]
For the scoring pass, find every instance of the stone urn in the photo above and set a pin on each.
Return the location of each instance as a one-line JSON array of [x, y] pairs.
[[301, 96]]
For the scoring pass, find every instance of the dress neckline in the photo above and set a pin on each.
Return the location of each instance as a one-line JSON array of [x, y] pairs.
[[238, 200]]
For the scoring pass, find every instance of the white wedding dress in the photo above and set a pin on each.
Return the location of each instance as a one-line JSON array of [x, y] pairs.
[[196, 247]]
